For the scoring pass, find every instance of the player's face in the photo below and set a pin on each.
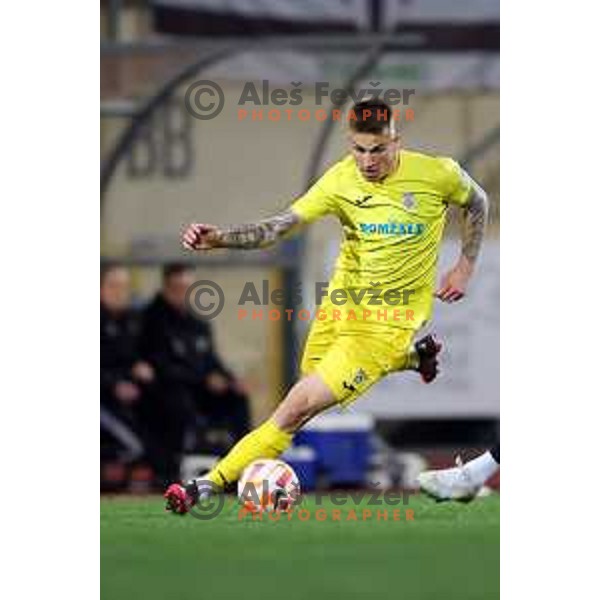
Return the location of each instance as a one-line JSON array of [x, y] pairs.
[[375, 154], [175, 289], [115, 290]]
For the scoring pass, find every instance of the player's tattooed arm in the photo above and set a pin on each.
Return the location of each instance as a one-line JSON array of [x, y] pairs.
[[257, 235], [453, 285], [475, 217], [248, 236]]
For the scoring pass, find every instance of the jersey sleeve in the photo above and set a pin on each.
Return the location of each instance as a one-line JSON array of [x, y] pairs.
[[457, 184], [319, 201]]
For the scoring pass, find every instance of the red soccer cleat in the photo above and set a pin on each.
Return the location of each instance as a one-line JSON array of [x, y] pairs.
[[178, 500]]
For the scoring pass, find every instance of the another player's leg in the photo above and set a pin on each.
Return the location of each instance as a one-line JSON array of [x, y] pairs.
[[462, 482], [307, 398]]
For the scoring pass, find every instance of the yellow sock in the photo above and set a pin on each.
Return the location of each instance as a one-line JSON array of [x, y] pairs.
[[267, 441]]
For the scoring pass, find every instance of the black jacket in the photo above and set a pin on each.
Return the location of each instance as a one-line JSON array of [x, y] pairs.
[[179, 346], [119, 346]]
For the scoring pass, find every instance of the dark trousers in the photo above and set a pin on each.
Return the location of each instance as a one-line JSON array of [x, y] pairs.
[[178, 416]]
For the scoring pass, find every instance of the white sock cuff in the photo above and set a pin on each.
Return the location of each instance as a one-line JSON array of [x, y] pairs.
[[480, 469]]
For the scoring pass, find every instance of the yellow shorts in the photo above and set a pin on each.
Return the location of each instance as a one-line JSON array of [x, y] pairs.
[[351, 357]]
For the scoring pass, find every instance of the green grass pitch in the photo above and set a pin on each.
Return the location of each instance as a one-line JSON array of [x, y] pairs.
[[448, 551]]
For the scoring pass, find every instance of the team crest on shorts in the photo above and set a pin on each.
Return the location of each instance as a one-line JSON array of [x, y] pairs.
[[409, 201], [360, 377]]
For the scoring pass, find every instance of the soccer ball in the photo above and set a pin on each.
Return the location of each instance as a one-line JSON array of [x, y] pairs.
[[268, 485]]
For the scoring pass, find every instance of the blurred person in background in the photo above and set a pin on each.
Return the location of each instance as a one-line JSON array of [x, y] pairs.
[[195, 393], [123, 376]]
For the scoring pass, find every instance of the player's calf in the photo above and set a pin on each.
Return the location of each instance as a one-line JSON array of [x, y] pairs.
[[309, 397]]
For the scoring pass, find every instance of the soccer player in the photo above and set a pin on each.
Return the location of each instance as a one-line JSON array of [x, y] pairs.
[[462, 482], [392, 205]]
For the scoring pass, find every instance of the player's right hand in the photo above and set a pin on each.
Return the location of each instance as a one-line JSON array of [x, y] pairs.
[[199, 236]]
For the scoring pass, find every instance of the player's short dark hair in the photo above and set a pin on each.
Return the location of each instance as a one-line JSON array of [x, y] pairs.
[[173, 269], [372, 116]]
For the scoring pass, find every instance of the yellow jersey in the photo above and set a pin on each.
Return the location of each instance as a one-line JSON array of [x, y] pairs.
[[392, 229]]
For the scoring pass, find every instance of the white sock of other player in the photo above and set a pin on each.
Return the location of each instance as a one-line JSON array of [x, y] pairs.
[[480, 469]]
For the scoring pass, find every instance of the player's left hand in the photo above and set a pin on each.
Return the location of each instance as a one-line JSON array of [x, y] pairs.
[[454, 283]]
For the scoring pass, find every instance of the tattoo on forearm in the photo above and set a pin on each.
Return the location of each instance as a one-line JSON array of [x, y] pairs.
[[257, 235], [475, 220]]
